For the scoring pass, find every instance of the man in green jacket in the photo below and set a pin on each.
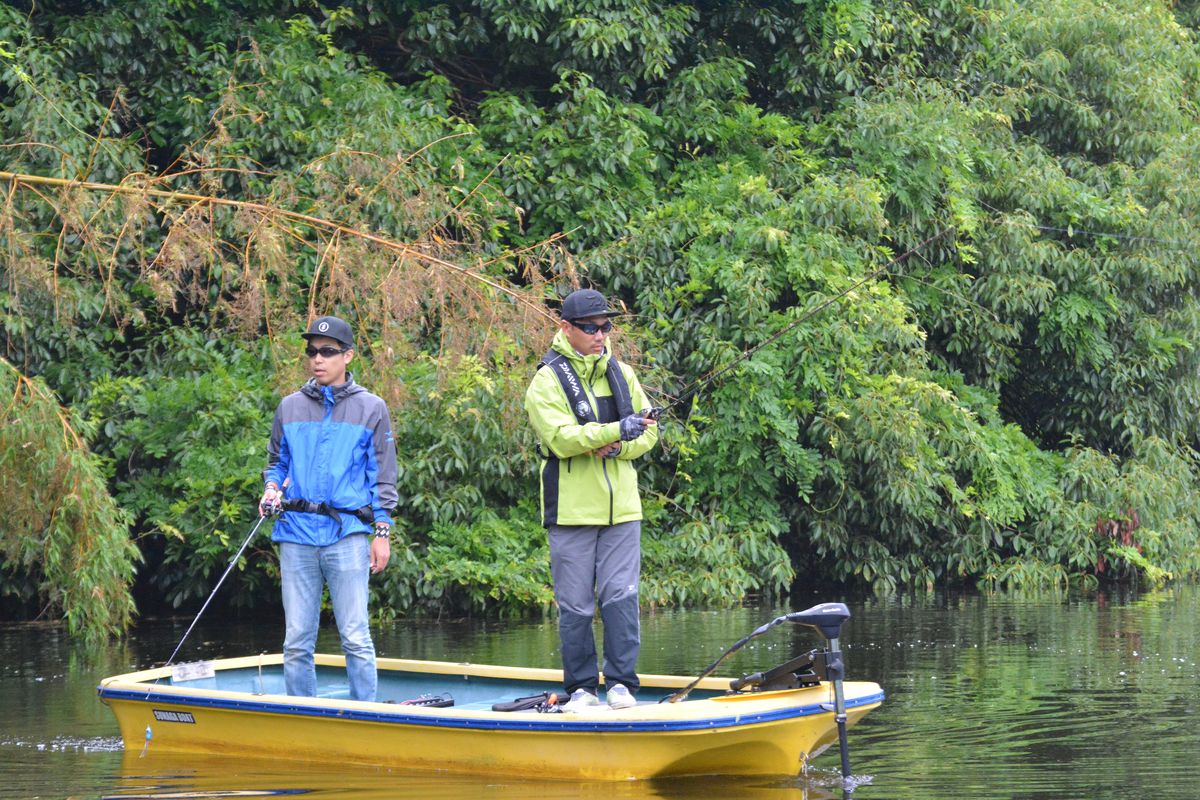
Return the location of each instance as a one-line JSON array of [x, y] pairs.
[[592, 420]]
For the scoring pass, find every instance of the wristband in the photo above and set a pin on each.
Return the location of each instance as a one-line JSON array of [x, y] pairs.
[[382, 530]]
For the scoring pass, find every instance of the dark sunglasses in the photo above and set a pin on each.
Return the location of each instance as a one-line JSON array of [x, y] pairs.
[[590, 328], [327, 351]]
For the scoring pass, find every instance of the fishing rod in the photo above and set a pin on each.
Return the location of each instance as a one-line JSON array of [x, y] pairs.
[[701, 383], [262, 518]]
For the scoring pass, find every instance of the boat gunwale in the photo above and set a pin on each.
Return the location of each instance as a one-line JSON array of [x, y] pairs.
[[138, 687], [466, 668]]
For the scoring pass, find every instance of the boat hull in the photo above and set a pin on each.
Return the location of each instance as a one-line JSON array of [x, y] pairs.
[[769, 733]]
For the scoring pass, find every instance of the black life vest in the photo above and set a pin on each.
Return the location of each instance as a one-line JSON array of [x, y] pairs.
[[611, 409]]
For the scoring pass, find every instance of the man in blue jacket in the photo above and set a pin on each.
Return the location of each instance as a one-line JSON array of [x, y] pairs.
[[331, 470]]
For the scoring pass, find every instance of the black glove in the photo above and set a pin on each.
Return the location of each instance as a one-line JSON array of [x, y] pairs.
[[632, 427]]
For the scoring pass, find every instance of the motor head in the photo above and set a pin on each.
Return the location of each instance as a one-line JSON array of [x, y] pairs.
[[826, 617]]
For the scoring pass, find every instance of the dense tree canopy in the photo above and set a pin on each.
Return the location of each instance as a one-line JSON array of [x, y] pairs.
[[955, 240]]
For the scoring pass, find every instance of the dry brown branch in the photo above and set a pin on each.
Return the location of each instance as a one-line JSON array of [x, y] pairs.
[[99, 138], [401, 163], [22, 383], [409, 251], [468, 196]]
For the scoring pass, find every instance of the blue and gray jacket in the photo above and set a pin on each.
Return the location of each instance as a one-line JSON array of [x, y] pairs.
[[333, 445]]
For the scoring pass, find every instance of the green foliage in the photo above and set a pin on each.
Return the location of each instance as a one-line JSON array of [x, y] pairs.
[[1117, 495], [625, 44], [1188, 13], [808, 57], [58, 107], [589, 164], [924, 491], [1110, 80], [1025, 574], [184, 438], [455, 443], [711, 560], [495, 563], [746, 177], [65, 543]]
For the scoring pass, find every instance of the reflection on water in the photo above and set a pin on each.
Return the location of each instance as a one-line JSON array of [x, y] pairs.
[[162, 777], [989, 698], [1008, 698]]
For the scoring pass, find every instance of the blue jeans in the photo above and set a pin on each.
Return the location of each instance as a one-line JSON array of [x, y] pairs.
[[345, 566]]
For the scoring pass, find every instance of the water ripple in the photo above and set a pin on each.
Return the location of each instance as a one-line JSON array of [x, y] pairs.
[[70, 744]]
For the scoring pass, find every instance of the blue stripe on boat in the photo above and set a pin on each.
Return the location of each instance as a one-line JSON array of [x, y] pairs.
[[519, 724]]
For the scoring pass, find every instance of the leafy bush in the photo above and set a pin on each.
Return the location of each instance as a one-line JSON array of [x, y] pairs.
[[184, 437], [492, 564]]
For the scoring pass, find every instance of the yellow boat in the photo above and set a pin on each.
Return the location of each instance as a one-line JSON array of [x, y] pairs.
[[439, 715]]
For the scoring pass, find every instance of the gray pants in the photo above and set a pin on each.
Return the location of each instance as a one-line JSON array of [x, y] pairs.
[[590, 563]]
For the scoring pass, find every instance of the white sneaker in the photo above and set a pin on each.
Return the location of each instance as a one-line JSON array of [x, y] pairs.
[[581, 699], [620, 697]]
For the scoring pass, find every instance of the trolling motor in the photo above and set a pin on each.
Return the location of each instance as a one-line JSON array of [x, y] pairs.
[[806, 670], [812, 667]]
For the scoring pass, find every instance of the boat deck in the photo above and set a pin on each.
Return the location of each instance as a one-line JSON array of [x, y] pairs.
[[467, 691]]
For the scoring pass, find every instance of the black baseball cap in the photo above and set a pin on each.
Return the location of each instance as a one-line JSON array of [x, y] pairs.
[[332, 327], [584, 303]]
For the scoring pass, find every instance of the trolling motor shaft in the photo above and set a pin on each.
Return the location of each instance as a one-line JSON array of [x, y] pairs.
[[828, 618], [835, 668]]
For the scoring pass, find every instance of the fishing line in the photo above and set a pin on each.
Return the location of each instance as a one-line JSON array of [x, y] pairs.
[[1073, 231]]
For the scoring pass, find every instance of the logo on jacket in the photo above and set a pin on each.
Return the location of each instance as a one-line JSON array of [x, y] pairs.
[[582, 408], [569, 374]]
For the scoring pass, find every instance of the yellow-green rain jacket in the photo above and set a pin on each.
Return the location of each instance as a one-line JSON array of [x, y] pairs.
[[578, 488]]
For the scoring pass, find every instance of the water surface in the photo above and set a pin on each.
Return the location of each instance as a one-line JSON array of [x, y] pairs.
[[988, 697]]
